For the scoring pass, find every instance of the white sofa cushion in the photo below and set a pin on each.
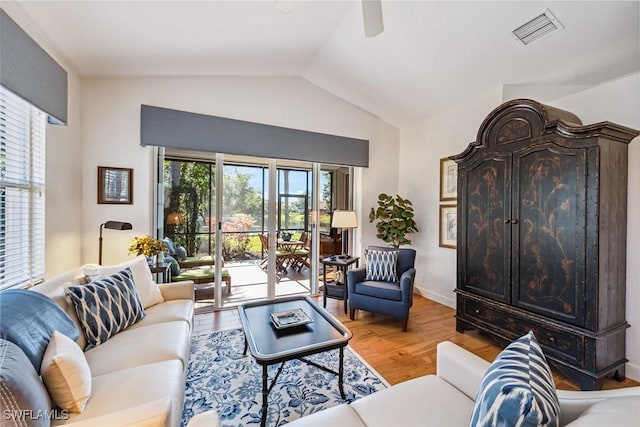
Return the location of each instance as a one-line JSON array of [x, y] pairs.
[[169, 311], [135, 396], [141, 346], [618, 411], [147, 289], [423, 401], [66, 373], [341, 415]]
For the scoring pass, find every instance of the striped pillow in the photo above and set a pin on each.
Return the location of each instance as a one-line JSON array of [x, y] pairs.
[[517, 389], [107, 306], [381, 265]]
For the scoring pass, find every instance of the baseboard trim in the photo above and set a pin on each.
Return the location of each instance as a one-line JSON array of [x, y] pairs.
[[434, 296], [632, 371]]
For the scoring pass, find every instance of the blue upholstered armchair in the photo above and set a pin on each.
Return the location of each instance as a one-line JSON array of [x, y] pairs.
[[391, 298]]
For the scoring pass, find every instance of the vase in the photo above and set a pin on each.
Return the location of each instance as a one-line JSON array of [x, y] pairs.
[[151, 260]]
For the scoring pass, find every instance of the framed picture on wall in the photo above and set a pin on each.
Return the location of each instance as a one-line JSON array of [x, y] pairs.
[[448, 226], [115, 185], [448, 179]]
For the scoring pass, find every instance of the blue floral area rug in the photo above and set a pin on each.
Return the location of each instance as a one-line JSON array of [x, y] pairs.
[[219, 377]]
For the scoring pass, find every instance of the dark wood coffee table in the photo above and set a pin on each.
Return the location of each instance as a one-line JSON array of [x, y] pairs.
[[270, 345]]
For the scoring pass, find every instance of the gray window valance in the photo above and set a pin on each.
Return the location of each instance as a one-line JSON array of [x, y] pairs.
[[163, 127], [29, 72]]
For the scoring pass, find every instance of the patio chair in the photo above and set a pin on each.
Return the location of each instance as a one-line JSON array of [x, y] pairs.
[[300, 257], [282, 257]]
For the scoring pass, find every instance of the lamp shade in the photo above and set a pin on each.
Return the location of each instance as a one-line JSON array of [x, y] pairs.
[[175, 218], [344, 219], [117, 225]]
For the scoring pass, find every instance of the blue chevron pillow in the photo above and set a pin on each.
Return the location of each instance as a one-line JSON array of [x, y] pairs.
[[381, 265], [517, 389], [107, 306]]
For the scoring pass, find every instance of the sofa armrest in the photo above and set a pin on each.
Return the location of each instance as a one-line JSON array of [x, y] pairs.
[[178, 290], [355, 275], [460, 368], [574, 403]]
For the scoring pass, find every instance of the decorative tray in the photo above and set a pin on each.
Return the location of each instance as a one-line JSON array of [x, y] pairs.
[[290, 318]]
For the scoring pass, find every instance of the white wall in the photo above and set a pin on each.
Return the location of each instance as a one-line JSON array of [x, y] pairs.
[[111, 132], [63, 206], [63, 191], [449, 132], [422, 146]]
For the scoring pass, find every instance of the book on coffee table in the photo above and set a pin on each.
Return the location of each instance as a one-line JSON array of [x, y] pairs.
[[290, 318]]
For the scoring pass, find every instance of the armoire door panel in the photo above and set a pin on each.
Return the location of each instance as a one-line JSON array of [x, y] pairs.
[[550, 233], [486, 249]]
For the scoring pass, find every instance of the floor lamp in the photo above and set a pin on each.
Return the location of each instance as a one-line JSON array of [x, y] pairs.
[[111, 225], [344, 220]]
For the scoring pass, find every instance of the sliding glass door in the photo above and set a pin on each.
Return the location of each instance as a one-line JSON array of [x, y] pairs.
[[251, 228]]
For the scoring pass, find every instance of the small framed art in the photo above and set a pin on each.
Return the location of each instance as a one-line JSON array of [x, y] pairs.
[[115, 185], [448, 179], [448, 226]]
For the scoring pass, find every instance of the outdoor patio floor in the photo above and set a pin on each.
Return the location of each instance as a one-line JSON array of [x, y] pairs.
[[249, 282]]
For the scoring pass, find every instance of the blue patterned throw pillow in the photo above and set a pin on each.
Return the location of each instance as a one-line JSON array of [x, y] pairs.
[[381, 265], [107, 306], [517, 389]]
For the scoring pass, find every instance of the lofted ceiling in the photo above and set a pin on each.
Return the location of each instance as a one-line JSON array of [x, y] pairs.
[[431, 54]]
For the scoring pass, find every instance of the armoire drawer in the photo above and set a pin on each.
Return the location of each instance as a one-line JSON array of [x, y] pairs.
[[555, 342]]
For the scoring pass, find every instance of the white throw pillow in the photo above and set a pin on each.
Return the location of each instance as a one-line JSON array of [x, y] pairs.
[[66, 373], [148, 290]]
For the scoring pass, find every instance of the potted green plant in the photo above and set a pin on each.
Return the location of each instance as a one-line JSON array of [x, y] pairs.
[[394, 219], [286, 236]]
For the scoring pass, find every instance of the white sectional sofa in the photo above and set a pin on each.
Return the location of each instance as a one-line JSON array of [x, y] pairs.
[[447, 399], [137, 375]]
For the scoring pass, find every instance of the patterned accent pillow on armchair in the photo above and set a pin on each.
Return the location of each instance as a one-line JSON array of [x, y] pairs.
[[381, 265]]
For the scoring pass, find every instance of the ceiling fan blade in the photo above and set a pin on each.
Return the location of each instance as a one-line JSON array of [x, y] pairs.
[[372, 16]]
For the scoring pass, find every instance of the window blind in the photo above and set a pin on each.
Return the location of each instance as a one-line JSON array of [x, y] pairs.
[[22, 191]]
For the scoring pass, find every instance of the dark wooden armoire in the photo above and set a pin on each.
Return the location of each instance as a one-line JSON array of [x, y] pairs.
[[542, 236]]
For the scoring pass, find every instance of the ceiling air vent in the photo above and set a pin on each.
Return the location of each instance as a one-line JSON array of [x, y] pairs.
[[538, 27]]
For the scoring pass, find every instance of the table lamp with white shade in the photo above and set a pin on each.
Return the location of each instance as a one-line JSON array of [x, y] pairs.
[[344, 220]]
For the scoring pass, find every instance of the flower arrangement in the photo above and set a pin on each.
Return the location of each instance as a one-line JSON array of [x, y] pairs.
[[145, 245]]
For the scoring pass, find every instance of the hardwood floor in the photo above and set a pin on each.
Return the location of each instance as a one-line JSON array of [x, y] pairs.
[[399, 356]]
